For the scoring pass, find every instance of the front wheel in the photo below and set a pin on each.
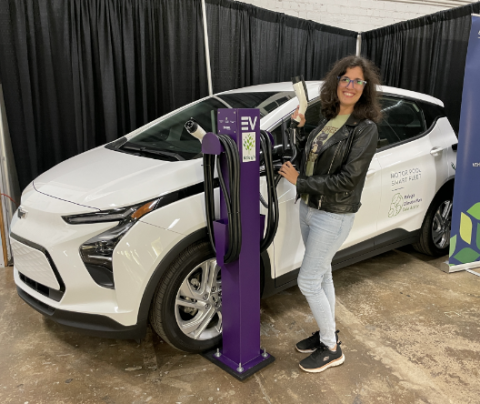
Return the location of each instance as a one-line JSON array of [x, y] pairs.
[[435, 232], [187, 307]]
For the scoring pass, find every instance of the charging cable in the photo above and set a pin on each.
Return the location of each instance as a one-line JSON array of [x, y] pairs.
[[273, 215], [232, 193]]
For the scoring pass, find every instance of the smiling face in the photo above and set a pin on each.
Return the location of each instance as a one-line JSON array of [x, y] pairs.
[[349, 95]]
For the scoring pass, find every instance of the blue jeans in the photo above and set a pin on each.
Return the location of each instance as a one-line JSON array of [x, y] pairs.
[[323, 234]]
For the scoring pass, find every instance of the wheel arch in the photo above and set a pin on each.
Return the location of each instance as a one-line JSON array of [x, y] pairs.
[[196, 236], [446, 187], [144, 308], [424, 243]]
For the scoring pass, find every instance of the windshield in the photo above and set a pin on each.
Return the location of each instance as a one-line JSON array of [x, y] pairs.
[[170, 135]]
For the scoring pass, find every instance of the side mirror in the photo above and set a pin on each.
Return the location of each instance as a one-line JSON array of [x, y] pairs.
[[382, 143]]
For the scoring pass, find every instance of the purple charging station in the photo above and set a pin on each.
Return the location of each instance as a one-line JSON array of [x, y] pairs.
[[241, 354]]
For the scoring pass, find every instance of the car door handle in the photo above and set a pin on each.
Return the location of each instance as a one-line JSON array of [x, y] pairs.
[[435, 151]]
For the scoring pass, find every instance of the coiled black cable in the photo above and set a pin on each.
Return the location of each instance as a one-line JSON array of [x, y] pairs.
[[230, 193], [208, 171], [273, 212], [232, 198]]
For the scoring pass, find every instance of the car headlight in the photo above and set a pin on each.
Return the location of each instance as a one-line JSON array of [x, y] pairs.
[[113, 215], [97, 252]]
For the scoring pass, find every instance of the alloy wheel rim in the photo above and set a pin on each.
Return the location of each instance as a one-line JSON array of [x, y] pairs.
[[198, 302], [441, 225]]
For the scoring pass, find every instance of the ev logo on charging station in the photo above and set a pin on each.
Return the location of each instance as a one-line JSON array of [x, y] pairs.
[[248, 138]]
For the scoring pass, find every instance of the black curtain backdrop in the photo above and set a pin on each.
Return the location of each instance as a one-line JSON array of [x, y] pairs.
[[80, 73], [426, 55], [250, 45]]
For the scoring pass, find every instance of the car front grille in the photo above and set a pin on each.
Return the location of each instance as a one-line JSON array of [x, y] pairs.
[[42, 289], [36, 268]]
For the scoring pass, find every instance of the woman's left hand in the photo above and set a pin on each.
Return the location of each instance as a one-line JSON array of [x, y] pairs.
[[289, 172]]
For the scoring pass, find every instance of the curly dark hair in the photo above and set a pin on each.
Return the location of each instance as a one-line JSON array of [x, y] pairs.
[[367, 107]]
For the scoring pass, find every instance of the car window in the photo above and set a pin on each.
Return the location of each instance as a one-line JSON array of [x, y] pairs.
[[401, 120], [278, 140], [431, 112], [313, 116]]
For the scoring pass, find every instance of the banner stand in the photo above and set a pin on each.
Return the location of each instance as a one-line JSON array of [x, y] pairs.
[[445, 267], [465, 228]]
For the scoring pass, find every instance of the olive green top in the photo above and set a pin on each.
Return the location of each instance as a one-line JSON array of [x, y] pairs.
[[330, 128]]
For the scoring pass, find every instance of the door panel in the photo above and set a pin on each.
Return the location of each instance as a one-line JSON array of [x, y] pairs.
[[365, 225], [413, 168], [288, 244], [412, 174]]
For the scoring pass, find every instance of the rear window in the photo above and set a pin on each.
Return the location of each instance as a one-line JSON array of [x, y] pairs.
[[401, 120], [431, 112]]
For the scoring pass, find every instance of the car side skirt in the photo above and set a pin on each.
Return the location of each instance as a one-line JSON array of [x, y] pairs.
[[367, 249]]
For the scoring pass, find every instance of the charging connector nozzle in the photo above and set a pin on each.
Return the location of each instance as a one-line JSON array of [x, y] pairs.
[[195, 129], [300, 89]]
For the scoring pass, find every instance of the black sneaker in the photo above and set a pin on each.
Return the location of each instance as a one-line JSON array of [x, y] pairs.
[[322, 359], [311, 344]]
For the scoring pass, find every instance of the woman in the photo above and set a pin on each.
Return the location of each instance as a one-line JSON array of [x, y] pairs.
[[336, 156]]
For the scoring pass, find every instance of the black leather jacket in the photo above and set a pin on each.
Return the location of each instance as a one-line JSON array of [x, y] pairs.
[[341, 168]]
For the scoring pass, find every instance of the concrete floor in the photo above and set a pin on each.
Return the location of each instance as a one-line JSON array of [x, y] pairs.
[[410, 334]]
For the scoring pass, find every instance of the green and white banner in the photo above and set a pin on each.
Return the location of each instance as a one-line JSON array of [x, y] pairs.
[[465, 234]]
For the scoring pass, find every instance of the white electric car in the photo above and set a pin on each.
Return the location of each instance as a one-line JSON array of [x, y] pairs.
[[114, 238]]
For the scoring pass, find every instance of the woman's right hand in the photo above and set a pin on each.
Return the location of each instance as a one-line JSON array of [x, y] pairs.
[[302, 117]]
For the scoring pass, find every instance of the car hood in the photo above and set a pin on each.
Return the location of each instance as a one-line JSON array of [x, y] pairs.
[[104, 179]]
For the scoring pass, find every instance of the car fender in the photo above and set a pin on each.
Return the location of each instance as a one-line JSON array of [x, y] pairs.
[[195, 237], [172, 254], [446, 187]]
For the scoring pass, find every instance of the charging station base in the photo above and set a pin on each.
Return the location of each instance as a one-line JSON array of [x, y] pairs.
[[230, 368]]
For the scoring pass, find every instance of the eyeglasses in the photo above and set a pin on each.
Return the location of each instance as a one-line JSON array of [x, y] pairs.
[[345, 82]]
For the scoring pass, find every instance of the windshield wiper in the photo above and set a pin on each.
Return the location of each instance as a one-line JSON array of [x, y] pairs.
[[148, 150]]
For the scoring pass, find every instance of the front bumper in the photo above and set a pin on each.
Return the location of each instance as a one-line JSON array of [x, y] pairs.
[[91, 324], [53, 279]]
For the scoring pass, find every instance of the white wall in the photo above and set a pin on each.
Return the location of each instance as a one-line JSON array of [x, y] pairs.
[[358, 15]]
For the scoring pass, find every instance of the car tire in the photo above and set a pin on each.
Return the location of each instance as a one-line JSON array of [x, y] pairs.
[[435, 232], [186, 308]]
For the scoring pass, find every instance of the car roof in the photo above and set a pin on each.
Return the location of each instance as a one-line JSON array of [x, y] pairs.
[[314, 86]]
